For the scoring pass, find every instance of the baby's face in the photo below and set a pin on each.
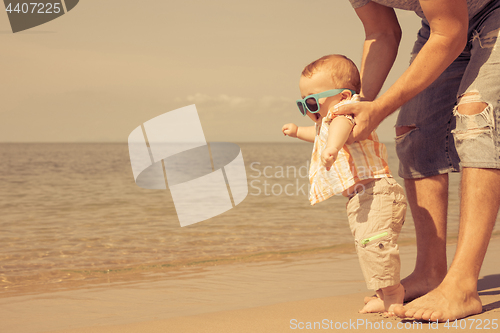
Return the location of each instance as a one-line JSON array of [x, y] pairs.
[[319, 82]]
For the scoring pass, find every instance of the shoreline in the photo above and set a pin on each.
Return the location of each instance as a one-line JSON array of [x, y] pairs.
[[258, 295], [86, 278]]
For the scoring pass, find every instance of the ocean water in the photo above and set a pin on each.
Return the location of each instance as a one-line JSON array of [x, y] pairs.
[[71, 212]]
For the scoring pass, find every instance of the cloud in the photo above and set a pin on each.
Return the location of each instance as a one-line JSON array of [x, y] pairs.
[[222, 99], [224, 104]]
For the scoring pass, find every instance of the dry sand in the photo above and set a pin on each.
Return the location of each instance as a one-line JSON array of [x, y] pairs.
[[324, 314]]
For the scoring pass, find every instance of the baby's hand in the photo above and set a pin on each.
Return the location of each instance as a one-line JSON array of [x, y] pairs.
[[290, 130], [329, 156]]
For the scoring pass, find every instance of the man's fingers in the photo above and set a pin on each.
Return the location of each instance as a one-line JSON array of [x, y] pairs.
[[345, 109], [357, 134], [351, 139]]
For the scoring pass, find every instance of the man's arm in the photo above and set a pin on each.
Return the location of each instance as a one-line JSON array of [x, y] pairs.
[[448, 20], [382, 37]]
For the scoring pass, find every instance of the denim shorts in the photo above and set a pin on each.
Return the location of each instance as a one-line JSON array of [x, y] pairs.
[[440, 139]]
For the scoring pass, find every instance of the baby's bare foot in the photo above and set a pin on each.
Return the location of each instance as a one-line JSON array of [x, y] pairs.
[[393, 296], [374, 305], [369, 298]]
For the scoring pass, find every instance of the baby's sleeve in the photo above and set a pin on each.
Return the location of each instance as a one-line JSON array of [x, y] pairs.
[[348, 116], [330, 116], [333, 116]]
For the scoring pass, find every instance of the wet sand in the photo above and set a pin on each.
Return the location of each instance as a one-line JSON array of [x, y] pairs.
[[332, 313], [274, 296]]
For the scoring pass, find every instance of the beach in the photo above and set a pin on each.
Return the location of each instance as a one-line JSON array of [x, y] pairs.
[[283, 295], [84, 249]]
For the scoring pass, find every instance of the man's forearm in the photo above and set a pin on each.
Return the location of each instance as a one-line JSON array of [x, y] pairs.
[[379, 53], [448, 21], [382, 37], [435, 56]]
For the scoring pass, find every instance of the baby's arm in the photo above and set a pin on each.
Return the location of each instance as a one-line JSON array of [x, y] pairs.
[[339, 131], [304, 133]]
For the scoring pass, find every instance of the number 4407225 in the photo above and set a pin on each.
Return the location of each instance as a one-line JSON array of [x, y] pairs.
[[472, 324], [34, 8]]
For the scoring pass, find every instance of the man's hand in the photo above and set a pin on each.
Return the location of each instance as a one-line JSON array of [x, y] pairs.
[[364, 115], [328, 156], [290, 130]]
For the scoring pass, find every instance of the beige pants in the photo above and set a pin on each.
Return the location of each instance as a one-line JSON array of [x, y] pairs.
[[376, 214]]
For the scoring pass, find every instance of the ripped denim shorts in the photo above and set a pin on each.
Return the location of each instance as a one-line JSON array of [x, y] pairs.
[[440, 139]]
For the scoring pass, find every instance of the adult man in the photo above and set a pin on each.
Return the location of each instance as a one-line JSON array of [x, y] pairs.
[[453, 63]]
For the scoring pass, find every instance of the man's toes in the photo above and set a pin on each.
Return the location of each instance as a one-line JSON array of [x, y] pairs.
[[419, 313], [436, 315], [410, 313], [426, 315]]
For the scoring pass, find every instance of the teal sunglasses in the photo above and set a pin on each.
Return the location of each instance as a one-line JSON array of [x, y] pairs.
[[310, 103]]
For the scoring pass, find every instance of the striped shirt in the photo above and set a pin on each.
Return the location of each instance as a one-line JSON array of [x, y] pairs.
[[355, 162]]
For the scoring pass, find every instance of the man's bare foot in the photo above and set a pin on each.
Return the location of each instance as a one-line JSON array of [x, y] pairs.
[[415, 285], [449, 301], [418, 284]]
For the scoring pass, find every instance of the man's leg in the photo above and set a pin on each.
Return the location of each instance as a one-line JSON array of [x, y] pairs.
[[457, 297], [428, 200]]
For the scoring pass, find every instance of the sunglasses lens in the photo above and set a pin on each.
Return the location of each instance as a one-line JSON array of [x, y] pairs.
[[312, 105], [301, 108]]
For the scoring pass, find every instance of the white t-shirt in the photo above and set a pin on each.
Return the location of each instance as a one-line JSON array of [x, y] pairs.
[[474, 6]]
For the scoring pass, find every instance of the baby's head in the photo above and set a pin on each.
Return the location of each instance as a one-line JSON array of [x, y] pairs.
[[327, 73]]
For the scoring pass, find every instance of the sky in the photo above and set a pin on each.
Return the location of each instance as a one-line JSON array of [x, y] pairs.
[[99, 71]]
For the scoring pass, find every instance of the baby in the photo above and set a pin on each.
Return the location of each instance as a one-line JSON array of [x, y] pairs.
[[377, 206]]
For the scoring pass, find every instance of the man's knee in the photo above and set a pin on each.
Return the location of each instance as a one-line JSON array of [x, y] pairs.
[[475, 135], [470, 104], [473, 115], [400, 130]]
